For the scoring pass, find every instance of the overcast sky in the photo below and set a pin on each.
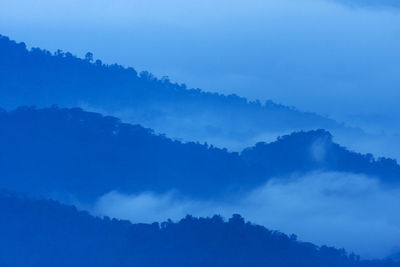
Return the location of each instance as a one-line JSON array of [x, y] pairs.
[[338, 58]]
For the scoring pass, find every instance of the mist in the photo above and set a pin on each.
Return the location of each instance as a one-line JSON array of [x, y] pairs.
[[214, 130], [337, 209], [317, 55], [329, 64]]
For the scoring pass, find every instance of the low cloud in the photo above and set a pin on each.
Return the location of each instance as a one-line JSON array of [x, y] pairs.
[[337, 209]]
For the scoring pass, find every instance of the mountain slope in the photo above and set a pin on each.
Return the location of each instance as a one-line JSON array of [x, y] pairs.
[[316, 150], [61, 152], [37, 77], [46, 233]]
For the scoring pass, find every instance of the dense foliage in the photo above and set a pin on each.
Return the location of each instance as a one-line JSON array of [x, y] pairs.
[[69, 151], [46, 233], [38, 77], [73, 155]]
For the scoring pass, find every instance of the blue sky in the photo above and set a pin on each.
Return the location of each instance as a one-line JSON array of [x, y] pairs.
[[338, 58]]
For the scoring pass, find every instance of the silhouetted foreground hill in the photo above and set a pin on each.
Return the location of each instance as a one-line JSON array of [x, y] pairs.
[[45, 233], [59, 152], [38, 77]]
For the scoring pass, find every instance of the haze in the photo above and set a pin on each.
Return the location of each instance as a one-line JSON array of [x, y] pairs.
[[340, 59]]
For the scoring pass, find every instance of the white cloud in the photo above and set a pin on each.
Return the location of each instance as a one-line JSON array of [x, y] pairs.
[[338, 209]]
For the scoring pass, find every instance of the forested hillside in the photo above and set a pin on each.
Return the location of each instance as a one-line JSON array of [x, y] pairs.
[[47, 234], [56, 152], [38, 77]]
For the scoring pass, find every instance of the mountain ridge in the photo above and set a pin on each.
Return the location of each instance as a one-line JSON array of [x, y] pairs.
[[141, 98], [73, 151], [46, 230]]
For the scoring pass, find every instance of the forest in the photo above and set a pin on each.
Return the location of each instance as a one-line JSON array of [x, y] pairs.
[[39, 77], [46, 233], [75, 132], [86, 154]]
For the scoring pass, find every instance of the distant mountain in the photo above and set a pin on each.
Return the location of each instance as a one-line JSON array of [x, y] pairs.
[[46, 233], [69, 152], [315, 150], [38, 77]]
